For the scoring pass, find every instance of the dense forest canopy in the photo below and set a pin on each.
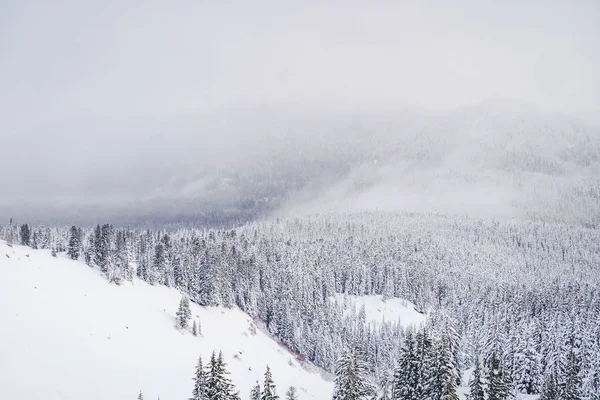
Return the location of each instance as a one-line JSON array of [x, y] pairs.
[[524, 294]]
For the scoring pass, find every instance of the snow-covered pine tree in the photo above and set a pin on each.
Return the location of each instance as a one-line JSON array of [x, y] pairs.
[[291, 393], [572, 386], [351, 377], [195, 328], [255, 392], [219, 386], [25, 234], [10, 235], [385, 387], [140, 396], [550, 389], [527, 365], [200, 381], [74, 246], [425, 363], [184, 313], [269, 392], [497, 387], [443, 385], [476, 391], [406, 373]]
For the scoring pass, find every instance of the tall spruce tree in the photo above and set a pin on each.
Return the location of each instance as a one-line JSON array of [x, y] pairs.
[[74, 246], [476, 391], [184, 313], [497, 387], [255, 392], [444, 376], [200, 382], [351, 377], [425, 365], [219, 386], [572, 385], [269, 392], [25, 234], [406, 374], [550, 389]]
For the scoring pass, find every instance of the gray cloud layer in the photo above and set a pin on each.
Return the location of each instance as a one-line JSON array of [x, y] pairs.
[[113, 102]]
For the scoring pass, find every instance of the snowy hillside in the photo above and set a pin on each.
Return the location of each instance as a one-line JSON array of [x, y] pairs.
[[390, 310], [68, 334]]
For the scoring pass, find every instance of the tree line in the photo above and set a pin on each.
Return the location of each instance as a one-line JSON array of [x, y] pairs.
[[531, 288]]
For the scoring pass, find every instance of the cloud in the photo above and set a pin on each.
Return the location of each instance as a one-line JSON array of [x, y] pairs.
[[106, 103]]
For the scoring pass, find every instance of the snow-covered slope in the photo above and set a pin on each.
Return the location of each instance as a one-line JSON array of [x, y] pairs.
[[66, 333], [391, 310]]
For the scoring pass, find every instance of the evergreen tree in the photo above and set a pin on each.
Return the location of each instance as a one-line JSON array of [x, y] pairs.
[[443, 385], [195, 329], [476, 391], [527, 366], [255, 392], [184, 313], [218, 386], [10, 236], [550, 390], [425, 365], [269, 391], [25, 234], [406, 374], [497, 388], [200, 382], [140, 396], [572, 386], [291, 393], [74, 243], [385, 386], [351, 377]]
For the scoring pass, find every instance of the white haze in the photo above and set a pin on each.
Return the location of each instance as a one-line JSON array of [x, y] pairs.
[[123, 106]]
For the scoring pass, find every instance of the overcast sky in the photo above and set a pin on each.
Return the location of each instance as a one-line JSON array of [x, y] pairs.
[[91, 90]]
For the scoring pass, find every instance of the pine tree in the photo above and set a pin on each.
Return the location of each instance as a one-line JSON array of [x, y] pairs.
[[74, 243], [184, 313], [444, 382], [25, 234], [550, 390], [476, 391], [424, 365], [291, 393], [255, 392], [406, 373], [140, 396], [269, 391], [200, 382], [527, 366], [351, 377], [385, 386], [572, 386], [10, 237], [218, 386], [497, 388], [195, 329]]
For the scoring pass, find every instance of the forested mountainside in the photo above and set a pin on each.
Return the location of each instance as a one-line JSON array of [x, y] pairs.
[[520, 296]]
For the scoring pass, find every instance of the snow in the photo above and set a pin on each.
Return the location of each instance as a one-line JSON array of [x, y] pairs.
[[67, 334], [378, 309], [463, 390]]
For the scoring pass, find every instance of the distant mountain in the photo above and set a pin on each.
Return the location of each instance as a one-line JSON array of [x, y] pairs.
[[499, 158]]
